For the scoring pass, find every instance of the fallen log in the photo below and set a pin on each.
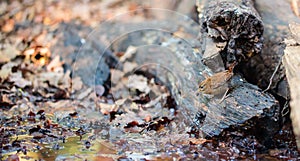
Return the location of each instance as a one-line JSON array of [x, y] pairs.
[[231, 31], [171, 51]]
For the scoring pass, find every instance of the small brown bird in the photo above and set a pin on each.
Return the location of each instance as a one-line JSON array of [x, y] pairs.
[[217, 84]]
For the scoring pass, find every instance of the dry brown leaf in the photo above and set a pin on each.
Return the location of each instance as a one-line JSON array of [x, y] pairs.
[[66, 81], [104, 158], [138, 82], [119, 90], [76, 84], [132, 7], [38, 55], [106, 108], [3, 7], [121, 102], [8, 53], [5, 98], [84, 94], [129, 67], [8, 26], [44, 38], [53, 77], [13, 157], [198, 141], [81, 11], [55, 65], [181, 33], [5, 71], [116, 75], [48, 21], [60, 80], [18, 80], [62, 107], [131, 50]]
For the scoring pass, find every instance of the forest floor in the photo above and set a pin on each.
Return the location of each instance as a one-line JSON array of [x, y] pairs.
[[53, 107]]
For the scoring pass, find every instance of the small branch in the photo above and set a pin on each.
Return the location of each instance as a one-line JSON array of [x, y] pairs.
[[273, 75]]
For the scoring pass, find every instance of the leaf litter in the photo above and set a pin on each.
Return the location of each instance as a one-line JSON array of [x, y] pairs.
[[135, 118]]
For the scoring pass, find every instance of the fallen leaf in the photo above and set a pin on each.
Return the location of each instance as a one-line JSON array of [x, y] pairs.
[[39, 55], [181, 33], [58, 79], [76, 84], [6, 70], [147, 118], [66, 81], [84, 94], [81, 11], [104, 158], [53, 78], [3, 7], [129, 67], [19, 80], [116, 75], [132, 7], [138, 82], [121, 102], [55, 65], [8, 26], [198, 141], [5, 98], [48, 21], [13, 157], [61, 108], [8, 53], [131, 50], [106, 108]]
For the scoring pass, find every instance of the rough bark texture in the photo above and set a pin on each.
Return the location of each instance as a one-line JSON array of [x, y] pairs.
[[291, 62], [177, 62], [233, 30], [276, 15], [237, 24], [175, 59]]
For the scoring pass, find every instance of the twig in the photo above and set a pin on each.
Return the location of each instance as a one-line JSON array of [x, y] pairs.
[[285, 110], [275, 71]]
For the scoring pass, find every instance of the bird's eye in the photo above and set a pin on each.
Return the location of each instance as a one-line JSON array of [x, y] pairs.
[[201, 86]]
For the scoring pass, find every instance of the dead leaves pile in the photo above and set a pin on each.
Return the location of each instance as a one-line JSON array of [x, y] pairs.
[[29, 71], [135, 98], [33, 77], [35, 71]]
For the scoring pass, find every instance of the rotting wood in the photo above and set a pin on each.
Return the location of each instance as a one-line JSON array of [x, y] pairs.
[[178, 63], [235, 23], [234, 30], [260, 68]]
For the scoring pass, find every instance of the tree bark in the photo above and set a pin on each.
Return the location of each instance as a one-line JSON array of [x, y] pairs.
[[236, 23], [276, 15], [233, 30], [291, 61]]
